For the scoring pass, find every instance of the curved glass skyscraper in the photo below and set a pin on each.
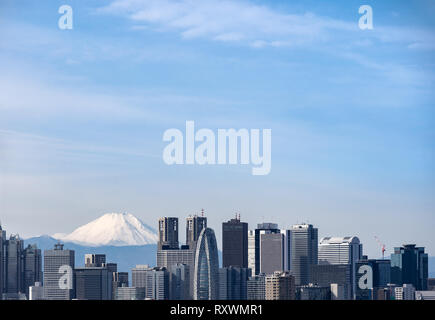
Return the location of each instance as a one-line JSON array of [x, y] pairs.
[[206, 273]]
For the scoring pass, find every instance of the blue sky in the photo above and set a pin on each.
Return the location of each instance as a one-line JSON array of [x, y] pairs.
[[352, 114]]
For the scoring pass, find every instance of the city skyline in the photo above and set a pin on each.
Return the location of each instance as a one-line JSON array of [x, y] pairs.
[[84, 110]]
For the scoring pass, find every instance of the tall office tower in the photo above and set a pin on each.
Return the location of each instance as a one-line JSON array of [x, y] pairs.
[[14, 266], [271, 252], [251, 251], [304, 250], [32, 267], [194, 225], [206, 270], [93, 283], [280, 286], [406, 292], [409, 265], [256, 286], [339, 250], [287, 234], [157, 284], [179, 282], [325, 275], [233, 283], [267, 228], [59, 273], [235, 243], [2, 255], [138, 276], [168, 233], [119, 279], [94, 260]]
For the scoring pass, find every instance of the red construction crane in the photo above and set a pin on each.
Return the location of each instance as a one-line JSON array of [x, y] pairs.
[[382, 246]]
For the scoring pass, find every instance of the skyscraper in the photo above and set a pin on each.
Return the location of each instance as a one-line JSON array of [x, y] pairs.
[[206, 271], [254, 240], [168, 233], [271, 252], [93, 283], [59, 273], [235, 243], [14, 266], [2, 255], [194, 225], [304, 250], [157, 284], [138, 276], [119, 279], [409, 265], [341, 250], [32, 267], [325, 275], [233, 283]]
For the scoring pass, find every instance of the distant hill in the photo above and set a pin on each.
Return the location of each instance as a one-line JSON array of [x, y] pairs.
[[127, 257]]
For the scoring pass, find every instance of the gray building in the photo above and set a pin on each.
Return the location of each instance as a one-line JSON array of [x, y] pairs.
[[324, 275], [138, 276], [235, 243], [233, 283], [272, 256], [157, 284], [119, 279], [32, 267], [13, 267], [179, 282], [2, 256], [194, 225], [130, 293], [93, 283], [168, 233], [304, 251], [256, 287], [59, 273], [254, 244], [206, 271]]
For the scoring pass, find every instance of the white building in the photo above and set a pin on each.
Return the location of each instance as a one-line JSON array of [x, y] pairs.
[[425, 295]]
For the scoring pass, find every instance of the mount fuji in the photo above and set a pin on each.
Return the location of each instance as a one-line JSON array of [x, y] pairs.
[[112, 229], [122, 237]]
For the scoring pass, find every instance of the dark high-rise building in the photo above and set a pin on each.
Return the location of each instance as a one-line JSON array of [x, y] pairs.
[[93, 283], [206, 271], [168, 233], [59, 273], [304, 252], [93, 260], [233, 283], [324, 275], [409, 265], [235, 243], [267, 228], [14, 266], [179, 282], [32, 267], [272, 255], [2, 256], [194, 225]]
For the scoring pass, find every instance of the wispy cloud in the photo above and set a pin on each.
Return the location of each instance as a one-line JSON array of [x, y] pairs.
[[253, 24]]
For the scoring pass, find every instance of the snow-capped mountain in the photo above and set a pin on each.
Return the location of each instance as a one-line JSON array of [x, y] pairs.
[[112, 229]]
